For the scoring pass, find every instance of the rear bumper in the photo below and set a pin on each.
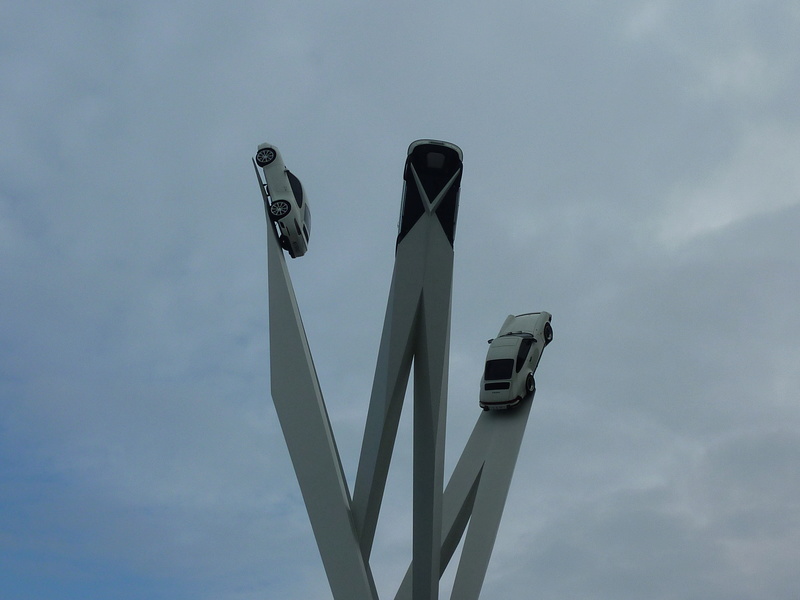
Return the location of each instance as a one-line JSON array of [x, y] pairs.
[[501, 404]]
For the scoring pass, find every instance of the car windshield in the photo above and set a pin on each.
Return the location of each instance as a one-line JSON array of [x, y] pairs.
[[499, 369]]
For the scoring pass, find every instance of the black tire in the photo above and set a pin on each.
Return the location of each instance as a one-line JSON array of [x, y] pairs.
[[279, 209], [265, 156], [548, 333], [530, 383]]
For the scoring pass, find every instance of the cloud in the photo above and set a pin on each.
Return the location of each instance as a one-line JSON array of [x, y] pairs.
[[757, 178]]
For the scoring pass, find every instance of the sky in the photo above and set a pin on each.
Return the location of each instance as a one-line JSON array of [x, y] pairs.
[[630, 167]]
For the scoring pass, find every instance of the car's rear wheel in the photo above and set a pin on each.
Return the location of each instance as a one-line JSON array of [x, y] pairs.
[[530, 384], [279, 209], [548, 333], [265, 156]]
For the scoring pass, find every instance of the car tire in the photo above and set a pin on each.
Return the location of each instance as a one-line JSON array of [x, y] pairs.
[[279, 209], [548, 333], [530, 383], [265, 156]]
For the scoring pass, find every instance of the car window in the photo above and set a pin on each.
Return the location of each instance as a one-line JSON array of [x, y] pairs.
[[297, 188], [522, 354], [498, 369]]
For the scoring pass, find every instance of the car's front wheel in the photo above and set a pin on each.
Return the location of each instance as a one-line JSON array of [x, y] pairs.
[[279, 209], [548, 333], [530, 384], [265, 156]]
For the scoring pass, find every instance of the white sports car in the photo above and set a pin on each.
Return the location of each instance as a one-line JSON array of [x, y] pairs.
[[512, 359], [284, 200]]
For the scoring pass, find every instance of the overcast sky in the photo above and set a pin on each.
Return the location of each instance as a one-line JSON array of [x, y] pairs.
[[631, 167]]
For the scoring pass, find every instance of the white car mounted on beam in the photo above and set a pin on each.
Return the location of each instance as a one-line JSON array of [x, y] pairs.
[[512, 360], [284, 200]]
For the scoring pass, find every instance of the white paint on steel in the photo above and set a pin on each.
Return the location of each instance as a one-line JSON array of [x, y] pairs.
[[312, 448]]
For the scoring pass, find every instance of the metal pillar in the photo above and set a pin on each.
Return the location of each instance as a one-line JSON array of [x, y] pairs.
[[417, 327], [476, 495], [306, 427]]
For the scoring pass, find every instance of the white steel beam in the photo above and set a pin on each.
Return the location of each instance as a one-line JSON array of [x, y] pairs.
[[312, 448], [476, 495], [416, 329], [501, 436]]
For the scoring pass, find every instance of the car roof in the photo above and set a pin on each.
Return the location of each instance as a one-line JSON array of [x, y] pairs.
[[521, 323], [505, 347]]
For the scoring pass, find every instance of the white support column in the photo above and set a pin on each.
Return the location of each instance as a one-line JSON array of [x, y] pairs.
[[431, 362], [417, 328], [388, 391], [502, 437], [476, 495], [304, 421]]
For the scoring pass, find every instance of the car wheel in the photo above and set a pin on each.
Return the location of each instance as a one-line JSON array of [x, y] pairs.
[[548, 333], [530, 384], [279, 209], [265, 156]]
